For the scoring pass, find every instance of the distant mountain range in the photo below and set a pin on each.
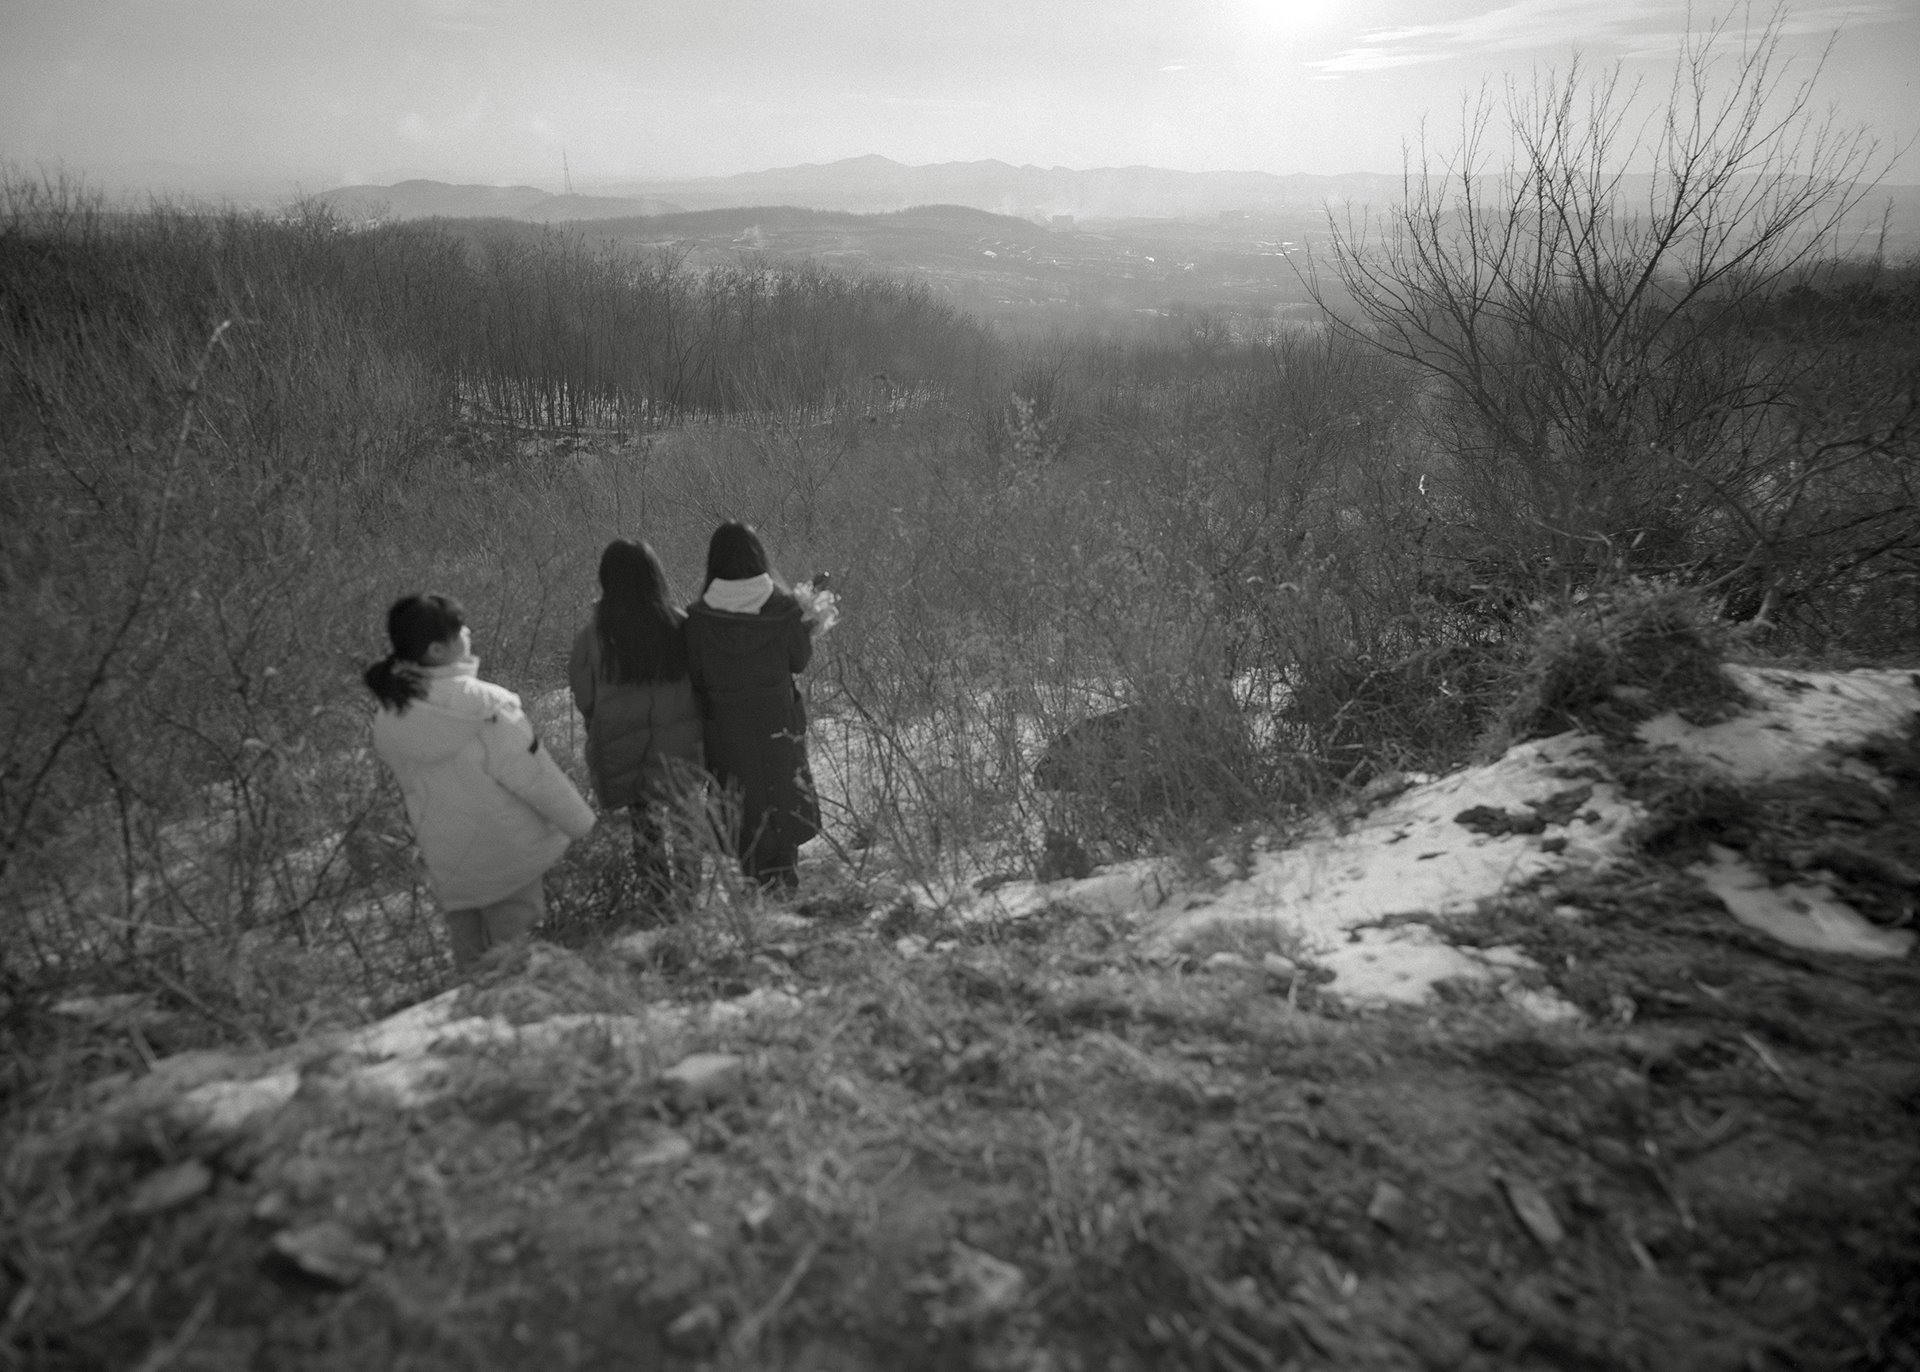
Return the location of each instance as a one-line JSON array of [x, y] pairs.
[[872, 184], [437, 199], [879, 185], [876, 185]]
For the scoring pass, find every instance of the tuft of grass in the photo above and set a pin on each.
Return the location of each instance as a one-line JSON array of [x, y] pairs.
[[1624, 655], [528, 982], [1250, 939]]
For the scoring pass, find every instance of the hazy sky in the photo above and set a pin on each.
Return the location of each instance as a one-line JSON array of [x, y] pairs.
[[329, 92]]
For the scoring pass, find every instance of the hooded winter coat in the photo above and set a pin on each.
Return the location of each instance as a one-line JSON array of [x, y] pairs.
[[742, 666], [636, 731], [491, 809]]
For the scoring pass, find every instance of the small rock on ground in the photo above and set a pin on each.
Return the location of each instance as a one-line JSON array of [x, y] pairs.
[[702, 1079], [329, 1252]]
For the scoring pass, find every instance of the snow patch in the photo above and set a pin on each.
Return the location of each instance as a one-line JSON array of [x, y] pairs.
[[405, 1082], [226, 1107], [1122, 889], [1799, 915], [1798, 722], [408, 1032], [1400, 964], [1413, 857]]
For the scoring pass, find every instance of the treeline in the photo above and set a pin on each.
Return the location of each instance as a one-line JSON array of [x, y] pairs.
[[489, 319], [543, 327]]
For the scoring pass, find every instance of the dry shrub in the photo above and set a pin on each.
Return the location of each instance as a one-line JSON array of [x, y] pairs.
[[1621, 656], [1365, 715], [1156, 760]]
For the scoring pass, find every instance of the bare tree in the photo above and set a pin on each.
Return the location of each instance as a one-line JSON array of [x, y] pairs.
[[1580, 280]]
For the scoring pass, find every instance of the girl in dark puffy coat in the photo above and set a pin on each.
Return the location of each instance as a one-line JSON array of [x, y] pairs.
[[630, 683], [747, 636]]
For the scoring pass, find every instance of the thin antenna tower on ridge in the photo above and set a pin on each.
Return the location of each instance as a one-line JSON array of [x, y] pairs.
[[566, 173]]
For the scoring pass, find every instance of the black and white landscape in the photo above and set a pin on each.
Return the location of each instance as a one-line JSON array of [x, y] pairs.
[[1363, 570]]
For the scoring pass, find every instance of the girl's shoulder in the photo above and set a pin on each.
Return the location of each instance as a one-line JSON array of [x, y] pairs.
[[699, 612], [705, 618], [781, 604], [469, 695]]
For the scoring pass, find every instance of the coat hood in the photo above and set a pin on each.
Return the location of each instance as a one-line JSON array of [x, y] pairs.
[[741, 597]]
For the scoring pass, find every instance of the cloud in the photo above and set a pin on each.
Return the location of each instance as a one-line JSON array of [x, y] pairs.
[[458, 16], [1634, 26], [1507, 28], [1378, 57], [918, 102], [1824, 19]]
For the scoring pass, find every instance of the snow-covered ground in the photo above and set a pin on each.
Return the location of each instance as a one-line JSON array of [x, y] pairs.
[[1362, 897]]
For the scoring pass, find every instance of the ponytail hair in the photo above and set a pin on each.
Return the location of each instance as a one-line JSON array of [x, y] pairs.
[[414, 624]]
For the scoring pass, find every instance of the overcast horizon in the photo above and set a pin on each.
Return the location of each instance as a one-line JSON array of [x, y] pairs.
[[250, 95]]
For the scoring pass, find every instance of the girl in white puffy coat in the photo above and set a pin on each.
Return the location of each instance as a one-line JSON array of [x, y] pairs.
[[490, 808]]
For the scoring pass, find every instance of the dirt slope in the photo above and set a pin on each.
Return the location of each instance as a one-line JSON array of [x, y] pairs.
[[1083, 1134]]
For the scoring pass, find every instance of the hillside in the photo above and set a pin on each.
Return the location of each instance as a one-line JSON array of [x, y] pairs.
[[1005, 268], [1036, 248], [437, 200], [1596, 1054], [1301, 886]]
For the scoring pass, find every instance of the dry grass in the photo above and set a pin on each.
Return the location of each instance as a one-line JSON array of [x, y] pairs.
[[1623, 655]]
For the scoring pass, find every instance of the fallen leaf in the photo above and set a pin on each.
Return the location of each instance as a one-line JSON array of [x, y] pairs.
[[1388, 1208], [977, 1287], [755, 1214], [329, 1252], [697, 1330], [169, 1187], [1534, 1211]]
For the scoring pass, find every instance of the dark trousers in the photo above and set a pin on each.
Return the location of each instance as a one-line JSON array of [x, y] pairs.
[[772, 863]]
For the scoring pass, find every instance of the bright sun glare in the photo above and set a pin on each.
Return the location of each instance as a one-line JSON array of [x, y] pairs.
[[1288, 17]]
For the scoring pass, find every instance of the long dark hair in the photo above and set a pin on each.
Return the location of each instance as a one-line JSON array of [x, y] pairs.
[[735, 553], [414, 624], [636, 621]]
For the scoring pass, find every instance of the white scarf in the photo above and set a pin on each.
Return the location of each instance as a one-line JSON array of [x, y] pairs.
[[740, 597]]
